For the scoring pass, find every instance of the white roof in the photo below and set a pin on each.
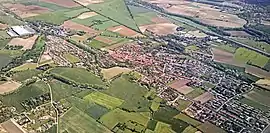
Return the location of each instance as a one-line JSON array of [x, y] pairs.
[[20, 30]]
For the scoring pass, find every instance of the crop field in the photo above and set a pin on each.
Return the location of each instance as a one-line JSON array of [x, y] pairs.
[[10, 126], [254, 104], [71, 58], [210, 128], [11, 21], [256, 44], [4, 35], [188, 120], [160, 29], [50, 6], [132, 93], [238, 33], [77, 121], [105, 25], [222, 56], [117, 115], [257, 71], [97, 44], [183, 104], [27, 43], [79, 75], [156, 103], [61, 90], [24, 93], [121, 15], [195, 93], [23, 75], [3, 26], [145, 18], [78, 27], [87, 2], [260, 96], [223, 46], [124, 31], [190, 129], [3, 43], [24, 11], [247, 56], [104, 100], [89, 21], [112, 72], [163, 128], [203, 98], [64, 3], [78, 12], [4, 60]]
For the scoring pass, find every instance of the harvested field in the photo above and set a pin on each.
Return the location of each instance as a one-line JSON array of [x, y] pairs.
[[123, 31], [204, 97], [87, 15], [64, 3], [207, 14], [26, 11], [23, 67], [111, 72], [257, 72], [3, 26], [225, 57], [12, 127], [159, 20], [27, 43], [87, 2], [78, 27], [103, 39], [179, 83], [159, 29], [239, 33], [8, 87], [185, 90]]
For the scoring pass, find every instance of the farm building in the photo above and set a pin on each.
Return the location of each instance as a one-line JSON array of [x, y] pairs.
[[15, 31]]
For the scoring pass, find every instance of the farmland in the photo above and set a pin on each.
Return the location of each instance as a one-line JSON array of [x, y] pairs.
[[260, 96], [256, 44], [76, 120], [26, 74], [112, 72], [78, 75], [24, 93], [71, 58]]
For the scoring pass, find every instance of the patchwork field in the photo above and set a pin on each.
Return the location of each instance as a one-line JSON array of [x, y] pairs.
[[26, 74], [76, 120], [204, 97], [27, 43], [257, 72], [159, 29], [78, 27], [260, 96], [223, 56], [87, 2], [112, 72], [65, 3], [256, 44], [79, 75], [25, 11], [125, 31]]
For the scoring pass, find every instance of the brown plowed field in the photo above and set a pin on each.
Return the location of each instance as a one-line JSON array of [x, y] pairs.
[[78, 27], [123, 31], [225, 57], [8, 87], [64, 3], [26, 43], [26, 11], [203, 98], [103, 39], [180, 86], [257, 72]]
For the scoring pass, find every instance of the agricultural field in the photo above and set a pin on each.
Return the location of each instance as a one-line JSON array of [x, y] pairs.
[[121, 15], [251, 57], [9, 87], [24, 67], [77, 121], [132, 93], [26, 74], [188, 120], [210, 128], [24, 93], [112, 72], [224, 46], [7, 19], [259, 95], [195, 93], [104, 100], [256, 44], [79, 75], [71, 58]]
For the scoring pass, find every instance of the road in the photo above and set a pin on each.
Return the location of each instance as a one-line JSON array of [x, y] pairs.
[[57, 114]]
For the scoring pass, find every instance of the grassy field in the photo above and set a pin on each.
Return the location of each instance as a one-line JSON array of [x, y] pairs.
[[260, 96], [23, 75], [132, 93], [254, 104], [4, 60], [9, 20], [97, 44], [256, 44], [117, 115], [111, 72], [183, 104], [195, 93], [105, 25], [73, 13], [104, 100], [79, 75], [191, 48], [156, 103], [61, 90], [71, 58], [144, 18], [4, 35], [88, 107], [26, 66], [251, 57], [3, 43], [190, 129], [91, 20], [117, 11], [210, 128], [188, 120], [223, 46], [77, 121], [24, 93], [50, 6], [163, 128]]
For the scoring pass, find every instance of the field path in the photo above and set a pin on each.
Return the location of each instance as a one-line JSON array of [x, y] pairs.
[[57, 114]]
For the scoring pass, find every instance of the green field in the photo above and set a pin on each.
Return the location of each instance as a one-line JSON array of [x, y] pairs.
[[195, 93], [260, 96], [50, 6], [117, 115], [105, 25], [132, 93], [256, 44], [79, 75], [115, 10], [210, 128], [97, 44], [191, 48], [145, 18], [91, 20], [223, 46], [3, 43], [61, 90], [4, 60], [251, 57], [4, 35], [88, 107], [71, 58], [156, 103], [24, 93], [163, 128], [24, 67], [9, 20], [137, 10], [188, 120], [76, 121], [183, 104], [27, 74], [73, 13], [254, 104], [104, 100], [190, 129]]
